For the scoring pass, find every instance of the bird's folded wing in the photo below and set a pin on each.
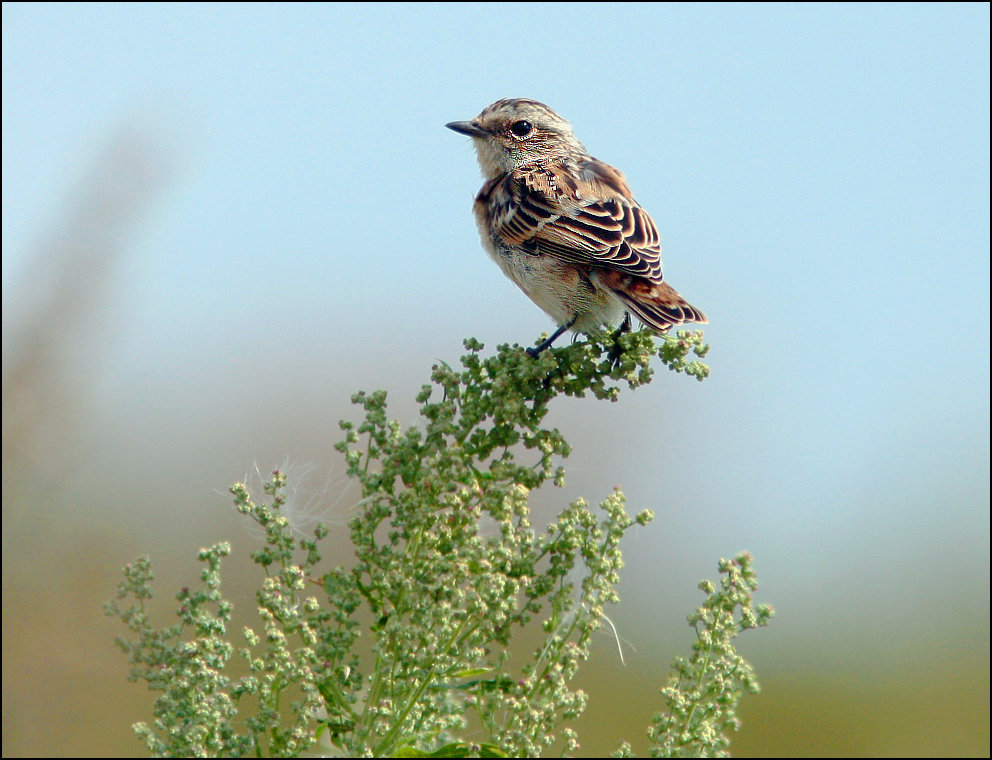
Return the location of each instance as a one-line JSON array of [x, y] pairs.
[[591, 220]]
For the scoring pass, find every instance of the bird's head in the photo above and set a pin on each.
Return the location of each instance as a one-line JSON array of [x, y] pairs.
[[514, 132]]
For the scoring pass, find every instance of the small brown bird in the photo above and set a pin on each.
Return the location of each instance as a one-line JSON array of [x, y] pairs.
[[564, 226]]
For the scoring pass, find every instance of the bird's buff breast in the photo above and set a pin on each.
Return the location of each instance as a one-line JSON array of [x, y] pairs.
[[557, 287]]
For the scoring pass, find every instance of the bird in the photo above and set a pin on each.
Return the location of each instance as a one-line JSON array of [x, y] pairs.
[[565, 227]]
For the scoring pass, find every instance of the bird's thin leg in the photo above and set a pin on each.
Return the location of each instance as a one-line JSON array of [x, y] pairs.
[[554, 336], [615, 350]]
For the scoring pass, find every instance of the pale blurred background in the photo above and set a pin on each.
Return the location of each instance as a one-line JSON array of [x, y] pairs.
[[220, 221]]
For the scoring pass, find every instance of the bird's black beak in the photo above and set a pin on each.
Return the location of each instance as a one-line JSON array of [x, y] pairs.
[[469, 128]]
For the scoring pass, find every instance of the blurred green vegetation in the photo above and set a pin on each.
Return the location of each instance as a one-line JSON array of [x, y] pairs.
[[65, 693]]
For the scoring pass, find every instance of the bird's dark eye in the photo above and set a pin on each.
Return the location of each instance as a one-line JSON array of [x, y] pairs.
[[521, 128]]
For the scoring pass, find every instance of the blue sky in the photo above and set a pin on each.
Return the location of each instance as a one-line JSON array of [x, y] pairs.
[[819, 175]]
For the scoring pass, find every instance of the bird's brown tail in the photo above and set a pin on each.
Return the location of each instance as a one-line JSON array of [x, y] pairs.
[[658, 305]]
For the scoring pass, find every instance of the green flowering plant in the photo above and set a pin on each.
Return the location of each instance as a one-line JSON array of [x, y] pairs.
[[402, 650], [703, 691]]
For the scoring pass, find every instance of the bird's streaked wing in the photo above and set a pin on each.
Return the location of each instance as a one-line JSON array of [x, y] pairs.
[[593, 221]]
